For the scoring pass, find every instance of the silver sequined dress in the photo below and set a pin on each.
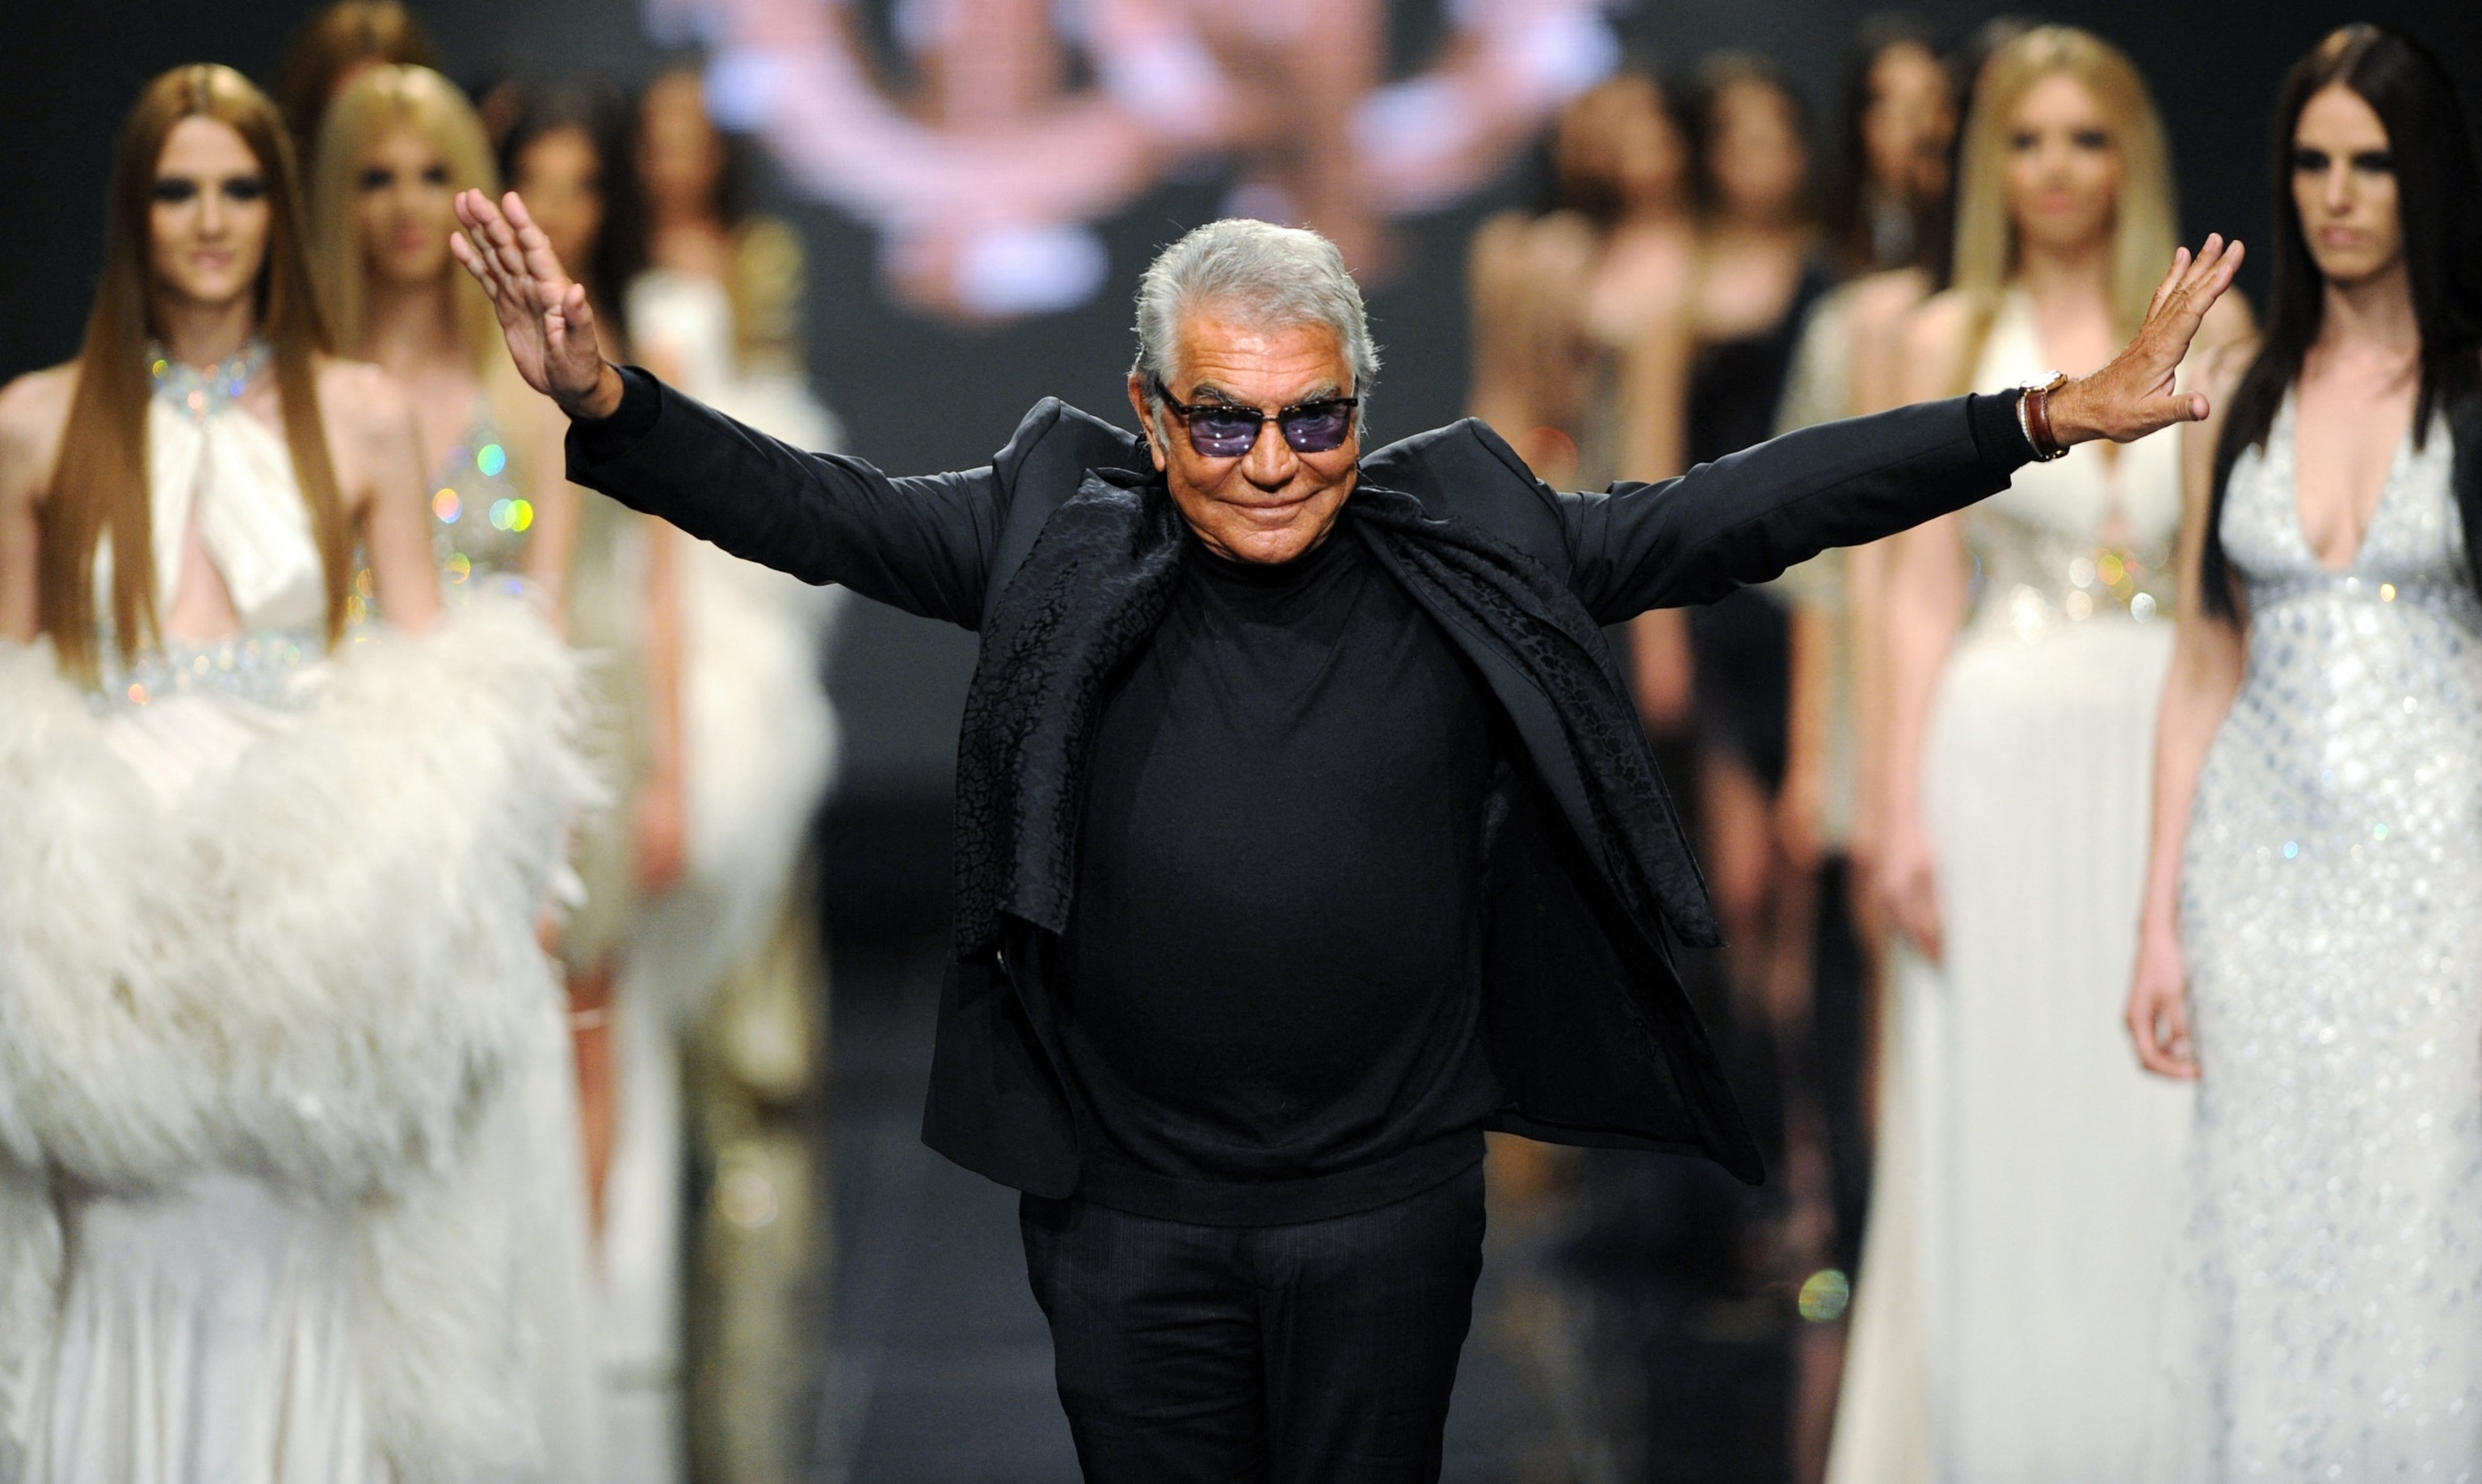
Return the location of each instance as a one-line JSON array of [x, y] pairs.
[[2325, 1322]]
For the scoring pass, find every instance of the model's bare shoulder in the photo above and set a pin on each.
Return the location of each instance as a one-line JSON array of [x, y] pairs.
[[2220, 362], [356, 395], [1932, 341], [2229, 322], [1881, 303], [1938, 322], [34, 413]]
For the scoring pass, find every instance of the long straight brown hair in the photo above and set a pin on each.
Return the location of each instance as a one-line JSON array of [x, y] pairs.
[[100, 484]]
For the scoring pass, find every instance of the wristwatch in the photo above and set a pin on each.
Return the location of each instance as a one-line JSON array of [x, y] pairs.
[[2034, 416]]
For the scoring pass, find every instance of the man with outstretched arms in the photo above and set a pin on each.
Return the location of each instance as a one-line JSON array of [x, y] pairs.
[[1304, 828]]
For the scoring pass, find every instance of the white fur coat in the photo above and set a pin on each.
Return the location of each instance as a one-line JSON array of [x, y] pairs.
[[317, 964]]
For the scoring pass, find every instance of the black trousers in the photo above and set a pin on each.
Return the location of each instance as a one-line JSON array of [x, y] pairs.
[[1318, 1353]]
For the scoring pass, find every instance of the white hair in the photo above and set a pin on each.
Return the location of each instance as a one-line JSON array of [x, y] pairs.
[[1270, 276]]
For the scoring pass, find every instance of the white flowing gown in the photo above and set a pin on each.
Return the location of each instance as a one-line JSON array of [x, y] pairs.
[[274, 1027], [2006, 1313]]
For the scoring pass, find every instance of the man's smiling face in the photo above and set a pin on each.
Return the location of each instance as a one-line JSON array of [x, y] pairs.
[[1271, 504]]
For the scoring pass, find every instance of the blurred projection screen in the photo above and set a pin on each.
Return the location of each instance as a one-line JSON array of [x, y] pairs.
[[1026, 121]]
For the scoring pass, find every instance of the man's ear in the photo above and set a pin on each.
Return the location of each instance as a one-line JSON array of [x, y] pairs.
[[1149, 427]]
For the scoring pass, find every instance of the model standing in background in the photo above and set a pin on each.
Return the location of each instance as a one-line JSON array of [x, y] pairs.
[[1888, 222], [331, 50], [397, 145], [1564, 305], [726, 976], [2042, 1166], [1759, 274], [395, 148], [568, 148], [268, 968], [2312, 950]]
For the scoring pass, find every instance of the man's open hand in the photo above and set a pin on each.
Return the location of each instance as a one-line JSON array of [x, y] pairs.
[[2134, 395], [544, 312]]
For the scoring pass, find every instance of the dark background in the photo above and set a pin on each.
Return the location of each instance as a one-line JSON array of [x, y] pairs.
[[917, 394]]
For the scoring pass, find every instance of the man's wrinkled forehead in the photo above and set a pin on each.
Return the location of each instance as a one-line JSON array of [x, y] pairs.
[[1225, 360]]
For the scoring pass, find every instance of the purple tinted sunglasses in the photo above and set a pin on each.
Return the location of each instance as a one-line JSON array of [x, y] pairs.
[[1220, 429]]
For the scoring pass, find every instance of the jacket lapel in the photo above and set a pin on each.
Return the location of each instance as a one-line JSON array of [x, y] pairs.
[[1085, 599]]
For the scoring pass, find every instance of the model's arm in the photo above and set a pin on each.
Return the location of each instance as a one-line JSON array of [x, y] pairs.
[[33, 411], [1501, 392], [559, 506], [371, 437], [1923, 605], [1820, 390], [1746, 519], [2207, 656], [660, 831], [922, 545], [1655, 414], [1882, 312]]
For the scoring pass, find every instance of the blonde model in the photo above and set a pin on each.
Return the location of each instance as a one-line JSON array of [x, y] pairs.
[[2026, 1172]]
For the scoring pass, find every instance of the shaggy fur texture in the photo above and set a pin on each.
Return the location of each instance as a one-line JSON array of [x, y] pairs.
[[317, 966]]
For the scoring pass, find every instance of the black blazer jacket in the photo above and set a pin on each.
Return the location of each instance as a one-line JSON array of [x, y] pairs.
[[1590, 1034]]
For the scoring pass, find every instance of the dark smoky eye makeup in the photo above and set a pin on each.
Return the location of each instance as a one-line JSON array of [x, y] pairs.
[[175, 189], [2309, 162], [245, 188], [2376, 161]]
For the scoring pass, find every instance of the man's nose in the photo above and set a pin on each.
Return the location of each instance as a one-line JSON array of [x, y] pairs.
[[1271, 462]]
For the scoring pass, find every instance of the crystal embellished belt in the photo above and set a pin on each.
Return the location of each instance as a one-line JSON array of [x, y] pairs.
[[269, 667], [2031, 593]]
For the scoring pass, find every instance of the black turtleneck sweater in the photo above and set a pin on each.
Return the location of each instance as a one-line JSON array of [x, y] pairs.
[[1270, 986]]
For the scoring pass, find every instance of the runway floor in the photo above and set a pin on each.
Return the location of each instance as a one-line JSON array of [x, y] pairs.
[[936, 1368]]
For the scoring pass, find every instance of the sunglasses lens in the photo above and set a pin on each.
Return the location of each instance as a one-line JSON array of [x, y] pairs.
[[1221, 435], [1315, 430]]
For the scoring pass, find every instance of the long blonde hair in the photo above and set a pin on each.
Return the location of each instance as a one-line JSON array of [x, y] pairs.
[[379, 100], [2145, 225], [100, 486]]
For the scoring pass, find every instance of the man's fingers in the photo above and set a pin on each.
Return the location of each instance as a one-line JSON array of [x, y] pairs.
[[2158, 412], [474, 208], [2212, 273], [2171, 281], [2226, 270], [489, 233], [472, 262], [533, 245], [577, 320], [496, 236], [532, 240]]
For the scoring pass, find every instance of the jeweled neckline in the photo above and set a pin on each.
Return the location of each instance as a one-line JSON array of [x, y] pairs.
[[201, 390]]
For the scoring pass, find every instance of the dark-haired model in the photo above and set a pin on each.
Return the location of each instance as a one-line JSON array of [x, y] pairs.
[[2311, 950]]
